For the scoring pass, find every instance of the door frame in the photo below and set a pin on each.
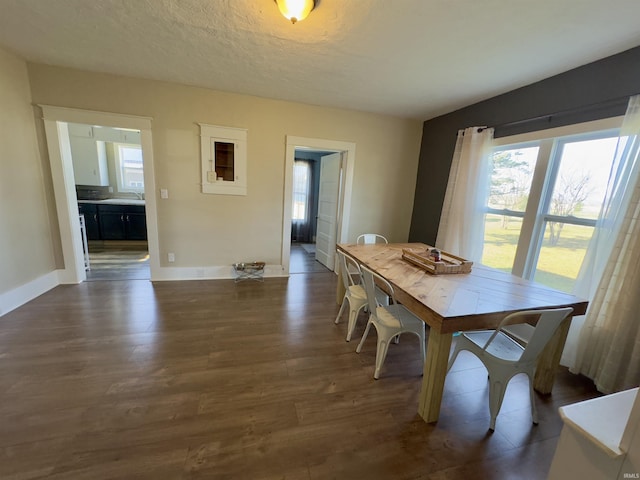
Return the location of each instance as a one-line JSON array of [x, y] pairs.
[[56, 120], [348, 151]]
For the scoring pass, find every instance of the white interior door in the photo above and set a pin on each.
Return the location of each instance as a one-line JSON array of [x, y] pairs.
[[326, 227]]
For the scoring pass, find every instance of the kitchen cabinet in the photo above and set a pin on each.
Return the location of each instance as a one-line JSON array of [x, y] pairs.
[[88, 155], [122, 222], [90, 212]]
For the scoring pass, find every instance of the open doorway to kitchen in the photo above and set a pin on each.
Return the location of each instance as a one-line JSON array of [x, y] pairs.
[[101, 167], [317, 197], [108, 171]]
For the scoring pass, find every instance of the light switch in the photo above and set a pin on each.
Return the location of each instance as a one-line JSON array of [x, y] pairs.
[[164, 193]]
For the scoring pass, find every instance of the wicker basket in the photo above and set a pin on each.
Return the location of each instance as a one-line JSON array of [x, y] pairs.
[[448, 263]]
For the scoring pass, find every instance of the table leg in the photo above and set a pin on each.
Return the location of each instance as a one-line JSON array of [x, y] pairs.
[[434, 373], [550, 359]]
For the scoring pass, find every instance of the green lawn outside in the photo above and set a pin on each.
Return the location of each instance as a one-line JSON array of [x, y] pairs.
[[558, 265]]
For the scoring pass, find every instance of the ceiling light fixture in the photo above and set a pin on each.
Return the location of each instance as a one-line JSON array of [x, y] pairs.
[[295, 10]]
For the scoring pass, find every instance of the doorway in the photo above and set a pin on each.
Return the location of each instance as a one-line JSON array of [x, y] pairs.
[[133, 225], [108, 171], [308, 223], [318, 181]]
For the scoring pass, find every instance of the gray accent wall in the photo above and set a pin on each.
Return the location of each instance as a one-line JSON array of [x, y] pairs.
[[591, 92]]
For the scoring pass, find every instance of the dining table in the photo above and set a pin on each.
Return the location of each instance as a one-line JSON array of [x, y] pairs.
[[450, 303]]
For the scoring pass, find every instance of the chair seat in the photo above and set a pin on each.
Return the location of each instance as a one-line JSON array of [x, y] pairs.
[[397, 316], [357, 291], [502, 347]]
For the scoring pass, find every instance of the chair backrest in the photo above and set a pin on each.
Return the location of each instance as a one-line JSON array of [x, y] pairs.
[[348, 267], [370, 238], [370, 278], [548, 322]]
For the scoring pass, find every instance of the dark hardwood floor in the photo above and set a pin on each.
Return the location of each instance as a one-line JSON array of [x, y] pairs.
[[217, 380], [304, 260]]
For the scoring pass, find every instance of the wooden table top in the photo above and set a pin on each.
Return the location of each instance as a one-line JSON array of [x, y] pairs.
[[453, 302]]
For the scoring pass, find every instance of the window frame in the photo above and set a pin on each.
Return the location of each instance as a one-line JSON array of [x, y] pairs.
[[535, 216]]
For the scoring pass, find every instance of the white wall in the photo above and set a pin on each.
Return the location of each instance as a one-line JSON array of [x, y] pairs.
[[26, 241]]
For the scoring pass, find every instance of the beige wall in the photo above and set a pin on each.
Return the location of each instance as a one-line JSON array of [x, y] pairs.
[[26, 245], [205, 230]]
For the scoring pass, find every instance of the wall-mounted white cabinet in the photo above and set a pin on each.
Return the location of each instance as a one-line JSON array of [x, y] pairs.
[[223, 160], [89, 156]]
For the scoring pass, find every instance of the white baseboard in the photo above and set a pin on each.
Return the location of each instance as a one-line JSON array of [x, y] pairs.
[[209, 273], [17, 297]]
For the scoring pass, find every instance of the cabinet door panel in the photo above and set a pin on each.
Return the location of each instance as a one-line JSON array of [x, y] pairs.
[[112, 225], [136, 226]]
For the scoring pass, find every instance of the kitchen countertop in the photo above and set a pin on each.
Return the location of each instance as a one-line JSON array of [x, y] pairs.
[[115, 201]]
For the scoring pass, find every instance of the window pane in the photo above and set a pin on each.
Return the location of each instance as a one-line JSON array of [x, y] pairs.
[[582, 178], [131, 168], [511, 175], [563, 250], [501, 233], [300, 190]]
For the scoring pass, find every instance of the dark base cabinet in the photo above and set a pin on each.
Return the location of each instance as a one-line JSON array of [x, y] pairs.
[[136, 225], [114, 222], [90, 212], [122, 222]]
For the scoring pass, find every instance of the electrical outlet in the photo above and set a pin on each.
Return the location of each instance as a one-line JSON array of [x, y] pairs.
[[164, 193], [171, 257], [211, 176]]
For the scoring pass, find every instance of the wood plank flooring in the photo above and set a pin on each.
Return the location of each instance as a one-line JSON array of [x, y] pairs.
[[127, 262], [302, 261], [217, 380]]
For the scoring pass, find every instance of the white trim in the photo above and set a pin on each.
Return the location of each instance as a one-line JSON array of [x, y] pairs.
[[17, 297], [55, 122], [92, 117], [348, 150]]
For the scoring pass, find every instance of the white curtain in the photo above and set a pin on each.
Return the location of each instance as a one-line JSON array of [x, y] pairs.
[[608, 342], [461, 229]]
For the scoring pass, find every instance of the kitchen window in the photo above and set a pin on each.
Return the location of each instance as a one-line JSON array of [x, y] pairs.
[[544, 199], [129, 168]]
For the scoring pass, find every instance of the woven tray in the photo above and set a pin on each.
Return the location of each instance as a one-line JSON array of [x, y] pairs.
[[448, 263]]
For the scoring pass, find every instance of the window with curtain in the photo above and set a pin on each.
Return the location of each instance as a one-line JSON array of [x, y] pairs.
[[301, 214], [544, 199]]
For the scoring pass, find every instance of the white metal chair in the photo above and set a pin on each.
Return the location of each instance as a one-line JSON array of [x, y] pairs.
[[354, 294], [389, 321], [370, 238], [504, 358]]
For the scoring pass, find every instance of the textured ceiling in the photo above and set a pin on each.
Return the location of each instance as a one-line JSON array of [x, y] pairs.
[[411, 58]]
